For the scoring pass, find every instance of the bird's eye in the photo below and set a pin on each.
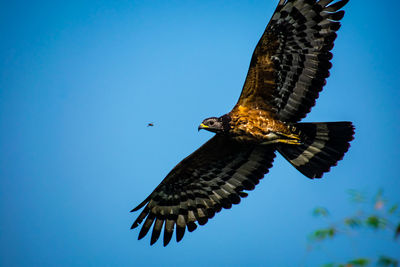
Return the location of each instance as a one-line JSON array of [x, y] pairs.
[[211, 123]]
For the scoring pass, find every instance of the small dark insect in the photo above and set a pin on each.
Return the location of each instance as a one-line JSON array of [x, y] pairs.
[[150, 124]]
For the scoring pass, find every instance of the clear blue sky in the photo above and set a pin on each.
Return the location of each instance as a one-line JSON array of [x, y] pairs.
[[80, 80]]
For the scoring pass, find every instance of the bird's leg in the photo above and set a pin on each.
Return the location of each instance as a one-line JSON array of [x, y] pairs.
[[290, 142], [274, 138]]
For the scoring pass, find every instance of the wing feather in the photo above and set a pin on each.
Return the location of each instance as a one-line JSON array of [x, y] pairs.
[[291, 61], [211, 178]]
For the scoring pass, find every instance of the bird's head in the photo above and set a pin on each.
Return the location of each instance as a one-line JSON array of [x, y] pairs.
[[216, 125]]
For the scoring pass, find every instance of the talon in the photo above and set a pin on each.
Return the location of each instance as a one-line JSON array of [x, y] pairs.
[[290, 142]]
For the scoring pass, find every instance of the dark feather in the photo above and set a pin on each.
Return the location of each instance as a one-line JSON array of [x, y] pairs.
[[180, 228], [324, 144], [210, 179], [168, 231], [146, 226], [156, 231], [291, 61]]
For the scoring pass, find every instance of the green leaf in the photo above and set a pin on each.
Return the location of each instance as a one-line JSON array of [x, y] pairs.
[[320, 211], [359, 262], [387, 262], [322, 234], [353, 222], [393, 209], [375, 222], [331, 232]]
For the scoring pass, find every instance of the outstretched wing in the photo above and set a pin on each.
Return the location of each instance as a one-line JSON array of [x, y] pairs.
[[211, 178], [292, 59]]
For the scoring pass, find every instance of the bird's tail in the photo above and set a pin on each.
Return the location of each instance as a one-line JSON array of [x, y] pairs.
[[323, 145]]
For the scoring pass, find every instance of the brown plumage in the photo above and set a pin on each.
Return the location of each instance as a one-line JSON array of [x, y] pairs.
[[287, 71]]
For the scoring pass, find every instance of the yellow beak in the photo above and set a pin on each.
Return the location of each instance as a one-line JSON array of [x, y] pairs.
[[202, 126]]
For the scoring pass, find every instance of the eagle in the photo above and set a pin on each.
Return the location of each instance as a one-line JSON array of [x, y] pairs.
[[288, 70]]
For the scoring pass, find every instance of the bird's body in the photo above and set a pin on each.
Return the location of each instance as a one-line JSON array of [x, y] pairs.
[[258, 126], [287, 71]]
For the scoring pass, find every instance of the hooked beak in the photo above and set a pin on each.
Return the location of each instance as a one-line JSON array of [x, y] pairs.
[[202, 126]]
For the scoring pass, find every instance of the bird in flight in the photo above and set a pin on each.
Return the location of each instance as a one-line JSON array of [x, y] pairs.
[[287, 71]]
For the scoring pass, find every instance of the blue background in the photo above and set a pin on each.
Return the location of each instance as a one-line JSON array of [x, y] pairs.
[[80, 80]]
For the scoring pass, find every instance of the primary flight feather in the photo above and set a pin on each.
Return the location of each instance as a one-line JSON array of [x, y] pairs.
[[287, 71]]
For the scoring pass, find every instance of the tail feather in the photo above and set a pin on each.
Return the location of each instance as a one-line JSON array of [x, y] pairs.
[[323, 145]]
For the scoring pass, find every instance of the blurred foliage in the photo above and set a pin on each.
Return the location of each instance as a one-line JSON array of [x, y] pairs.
[[322, 234], [376, 222], [353, 222], [358, 262], [393, 209], [356, 196], [380, 216], [387, 262], [381, 262], [320, 211]]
